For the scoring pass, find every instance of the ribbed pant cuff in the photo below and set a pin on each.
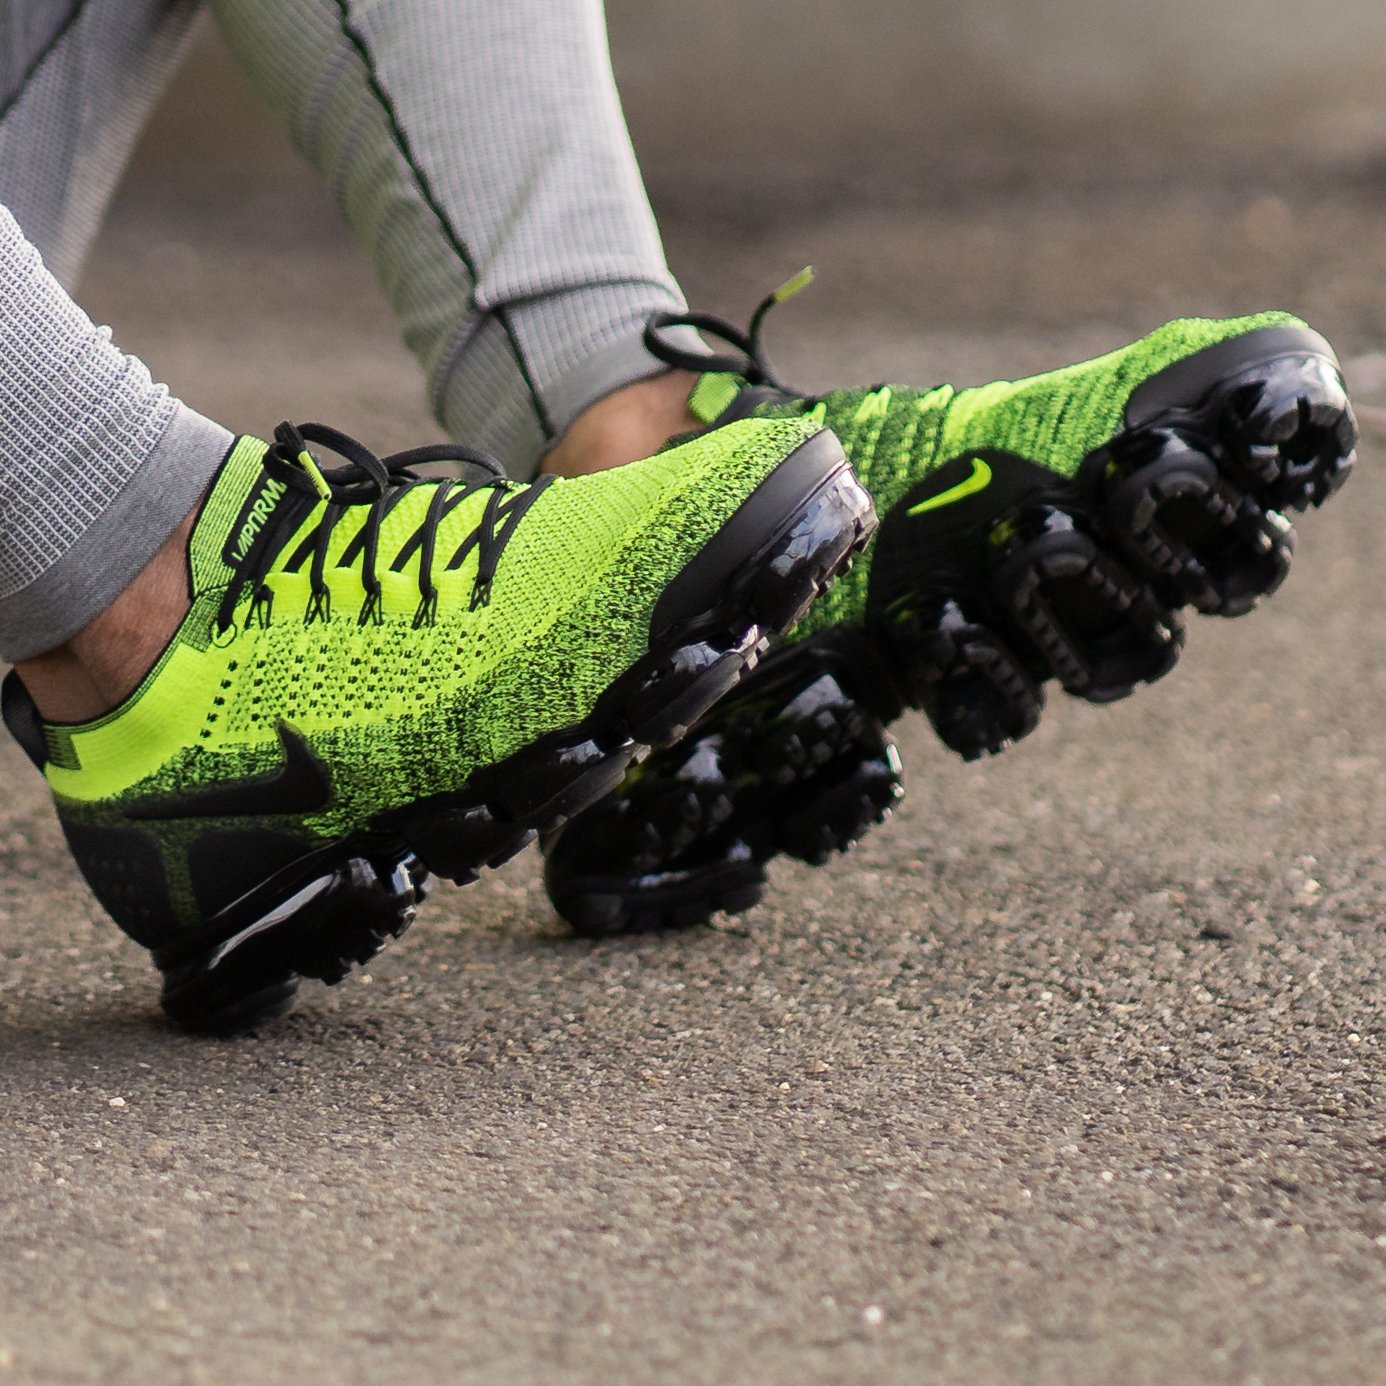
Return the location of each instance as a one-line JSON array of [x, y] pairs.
[[115, 547], [515, 383]]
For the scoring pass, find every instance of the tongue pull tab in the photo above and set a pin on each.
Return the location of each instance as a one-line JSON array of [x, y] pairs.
[[713, 395], [246, 508], [252, 521]]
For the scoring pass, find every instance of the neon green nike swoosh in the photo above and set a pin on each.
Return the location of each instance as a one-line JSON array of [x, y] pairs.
[[978, 481]]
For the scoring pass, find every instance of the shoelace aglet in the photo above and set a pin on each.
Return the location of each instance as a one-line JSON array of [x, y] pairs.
[[794, 285], [309, 464]]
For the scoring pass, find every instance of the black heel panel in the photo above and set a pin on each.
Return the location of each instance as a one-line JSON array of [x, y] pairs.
[[242, 967]]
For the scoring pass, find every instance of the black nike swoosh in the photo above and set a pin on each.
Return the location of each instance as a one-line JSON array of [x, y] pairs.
[[303, 784]]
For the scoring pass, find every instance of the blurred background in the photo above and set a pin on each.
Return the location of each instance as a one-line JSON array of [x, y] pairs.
[[999, 89], [985, 189]]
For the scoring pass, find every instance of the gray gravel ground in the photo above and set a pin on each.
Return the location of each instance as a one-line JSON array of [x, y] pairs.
[[1070, 1074]]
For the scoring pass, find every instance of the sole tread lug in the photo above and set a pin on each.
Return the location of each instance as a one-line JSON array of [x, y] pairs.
[[847, 779]]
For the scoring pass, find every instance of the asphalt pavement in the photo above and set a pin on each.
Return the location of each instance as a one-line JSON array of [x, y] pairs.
[[1071, 1073]]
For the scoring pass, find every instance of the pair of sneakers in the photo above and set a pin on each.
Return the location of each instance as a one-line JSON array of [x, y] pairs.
[[386, 674]]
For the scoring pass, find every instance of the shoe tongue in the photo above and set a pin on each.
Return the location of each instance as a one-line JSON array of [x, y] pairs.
[[713, 395], [242, 501]]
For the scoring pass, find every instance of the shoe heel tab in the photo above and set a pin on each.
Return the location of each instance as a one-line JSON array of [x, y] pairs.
[[23, 720]]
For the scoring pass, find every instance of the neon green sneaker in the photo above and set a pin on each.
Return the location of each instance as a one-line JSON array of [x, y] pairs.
[[384, 675], [1049, 528]]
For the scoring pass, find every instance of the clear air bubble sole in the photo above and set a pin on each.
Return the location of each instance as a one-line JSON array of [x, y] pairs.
[[336, 909], [1082, 584], [801, 767]]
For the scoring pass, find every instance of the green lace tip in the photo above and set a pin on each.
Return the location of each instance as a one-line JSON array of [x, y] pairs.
[[306, 461], [792, 286]]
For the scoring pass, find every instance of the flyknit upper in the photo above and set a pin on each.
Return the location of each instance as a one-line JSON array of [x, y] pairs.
[[895, 435], [400, 710]]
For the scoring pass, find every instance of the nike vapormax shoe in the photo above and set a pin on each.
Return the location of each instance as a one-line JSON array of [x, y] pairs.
[[1037, 530], [384, 675]]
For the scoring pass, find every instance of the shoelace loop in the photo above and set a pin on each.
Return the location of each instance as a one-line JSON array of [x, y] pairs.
[[753, 365], [380, 483]]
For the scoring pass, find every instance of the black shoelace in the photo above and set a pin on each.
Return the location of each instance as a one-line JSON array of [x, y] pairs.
[[752, 364], [380, 483]]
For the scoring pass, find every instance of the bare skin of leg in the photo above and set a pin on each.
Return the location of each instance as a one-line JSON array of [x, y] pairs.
[[625, 426], [104, 662]]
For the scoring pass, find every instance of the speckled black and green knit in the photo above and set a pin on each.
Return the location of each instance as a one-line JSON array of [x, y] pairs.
[[895, 435], [399, 710]]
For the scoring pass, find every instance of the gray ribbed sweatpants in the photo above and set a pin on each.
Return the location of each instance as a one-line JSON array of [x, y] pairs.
[[478, 152]]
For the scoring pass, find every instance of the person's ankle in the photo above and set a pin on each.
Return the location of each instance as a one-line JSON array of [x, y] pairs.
[[104, 662], [626, 425]]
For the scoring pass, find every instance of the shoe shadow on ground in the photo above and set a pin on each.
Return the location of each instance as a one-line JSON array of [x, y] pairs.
[[33, 1027], [462, 978]]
